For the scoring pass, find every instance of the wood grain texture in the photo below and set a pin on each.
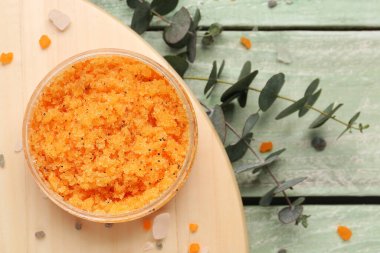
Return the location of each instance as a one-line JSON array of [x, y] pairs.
[[250, 13], [346, 63], [214, 204], [268, 235]]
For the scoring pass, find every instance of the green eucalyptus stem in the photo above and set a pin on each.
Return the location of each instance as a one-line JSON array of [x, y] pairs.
[[279, 96], [155, 13], [229, 126]]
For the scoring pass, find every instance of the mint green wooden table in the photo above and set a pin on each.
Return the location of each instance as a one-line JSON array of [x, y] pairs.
[[337, 41]]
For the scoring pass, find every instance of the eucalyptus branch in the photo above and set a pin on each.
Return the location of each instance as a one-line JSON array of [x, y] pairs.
[[278, 96], [233, 130]]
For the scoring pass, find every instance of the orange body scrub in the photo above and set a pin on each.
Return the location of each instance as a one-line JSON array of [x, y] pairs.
[[109, 134]]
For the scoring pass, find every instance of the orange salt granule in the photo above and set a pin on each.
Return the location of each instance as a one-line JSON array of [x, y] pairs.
[[109, 134], [194, 248], [344, 233], [44, 41], [246, 42], [266, 147], [6, 58], [147, 224], [193, 227]]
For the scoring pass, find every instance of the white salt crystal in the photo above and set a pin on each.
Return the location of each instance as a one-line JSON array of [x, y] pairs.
[[161, 226], [59, 19], [148, 246]]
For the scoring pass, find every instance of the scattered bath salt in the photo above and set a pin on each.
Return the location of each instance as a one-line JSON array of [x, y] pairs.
[[161, 226], [6, 58], [272, 3], [78, 225], [194, 248], [18, 146], [193, 227], [148, 246], [246, 42], [2, 161], [108, 225], [59, 19], [283, 55], [39, 234], [289, 2], [147, 224], [204, 249], [282, 251], [266, 147], [159, 244], [44, 41], [318, 143], [344, 233]]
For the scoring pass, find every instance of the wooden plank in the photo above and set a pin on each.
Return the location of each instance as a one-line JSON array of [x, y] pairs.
[[346, 63], [250, 13], [267, 234], [27, 210]]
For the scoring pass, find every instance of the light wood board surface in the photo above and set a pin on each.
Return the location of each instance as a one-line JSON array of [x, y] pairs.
[[209, 198]]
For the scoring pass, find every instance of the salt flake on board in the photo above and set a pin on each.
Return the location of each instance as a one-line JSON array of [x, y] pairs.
[[59, 19], [161, 226], [18, 146], [148, 246], [204, 249]]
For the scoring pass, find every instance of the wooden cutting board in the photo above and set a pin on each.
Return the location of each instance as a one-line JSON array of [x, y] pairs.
[[210, 197]]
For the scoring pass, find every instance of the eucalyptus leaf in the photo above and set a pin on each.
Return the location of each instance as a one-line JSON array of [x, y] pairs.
[[350, 123], [217, 119], [141, 18], [298, 201], [354, 118], [163, 7], [215, 29], [330, 110], [212, 77], [275, 154], [239, 90], [176, 34], [288, 215], [237, 150], [292, 108], [246, 69], [289, 183], [266, 200], [311, 99], [179, 64], [133, 3], [191, 47], [221, 69], [312, 87], [250, 123], [196, 18], [303, 220], [207, 39], [255, 167], [218, 75], [270, 91]]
